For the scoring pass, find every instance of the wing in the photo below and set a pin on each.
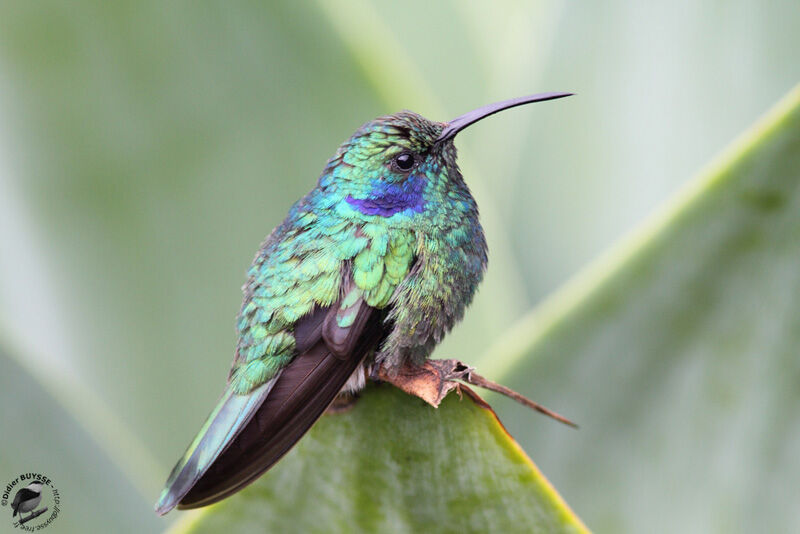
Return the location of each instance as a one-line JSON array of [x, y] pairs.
[[246, 434], [23, 495]]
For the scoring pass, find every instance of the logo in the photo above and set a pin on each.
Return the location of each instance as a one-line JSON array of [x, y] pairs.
[[32, 502]]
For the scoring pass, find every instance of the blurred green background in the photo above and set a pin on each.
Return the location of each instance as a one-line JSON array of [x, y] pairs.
[[147, 148]]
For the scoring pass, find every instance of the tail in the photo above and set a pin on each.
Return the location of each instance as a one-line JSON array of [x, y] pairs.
[[231, 414]]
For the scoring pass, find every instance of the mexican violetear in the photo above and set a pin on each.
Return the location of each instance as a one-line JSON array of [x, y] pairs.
[[371, 268]]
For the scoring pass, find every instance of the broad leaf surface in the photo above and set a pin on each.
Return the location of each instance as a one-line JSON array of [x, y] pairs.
[[679, 355], [395, 464], [147, 148]]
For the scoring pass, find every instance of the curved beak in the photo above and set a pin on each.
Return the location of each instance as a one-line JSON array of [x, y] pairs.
[[459, 123]]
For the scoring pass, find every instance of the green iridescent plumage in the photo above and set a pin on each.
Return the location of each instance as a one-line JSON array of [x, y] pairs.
[[301, 263], [371, 268]]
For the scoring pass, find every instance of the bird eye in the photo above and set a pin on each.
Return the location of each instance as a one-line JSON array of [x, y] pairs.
[[404, 162]]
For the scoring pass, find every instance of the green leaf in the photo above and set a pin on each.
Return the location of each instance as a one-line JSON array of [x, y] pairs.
[[147, 148], [145, 151], [678, 355], [395, 464]]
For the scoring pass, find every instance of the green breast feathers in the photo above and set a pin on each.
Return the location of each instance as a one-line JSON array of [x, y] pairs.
[[310, 263]]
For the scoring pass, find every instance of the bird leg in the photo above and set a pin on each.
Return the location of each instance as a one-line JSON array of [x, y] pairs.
[[434, 379]]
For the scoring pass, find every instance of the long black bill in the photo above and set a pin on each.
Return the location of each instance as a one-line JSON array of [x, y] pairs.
[[459, 123]]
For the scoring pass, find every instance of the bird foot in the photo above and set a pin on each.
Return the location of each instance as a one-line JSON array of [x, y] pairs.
[[434, 379]]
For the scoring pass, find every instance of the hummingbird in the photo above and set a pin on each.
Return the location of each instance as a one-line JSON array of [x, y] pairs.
[[367, 272]]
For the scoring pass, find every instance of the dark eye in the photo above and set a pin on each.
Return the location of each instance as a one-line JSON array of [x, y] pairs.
[[404, 162]]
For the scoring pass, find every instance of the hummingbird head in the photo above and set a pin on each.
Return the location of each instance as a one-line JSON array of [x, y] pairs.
[[403, 166]]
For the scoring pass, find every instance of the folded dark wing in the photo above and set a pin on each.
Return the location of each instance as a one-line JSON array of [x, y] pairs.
[[298, 397]]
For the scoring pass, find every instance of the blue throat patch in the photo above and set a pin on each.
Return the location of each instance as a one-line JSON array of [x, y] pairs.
[[386, 198]]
